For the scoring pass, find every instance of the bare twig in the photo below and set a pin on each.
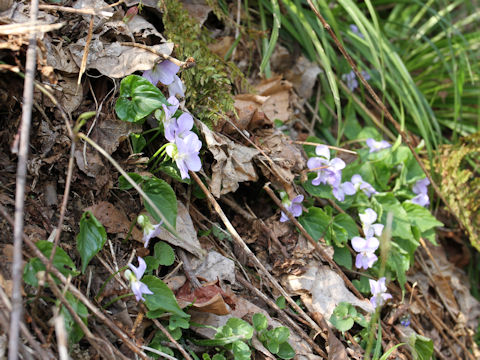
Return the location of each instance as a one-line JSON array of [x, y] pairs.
[[158, 352], [28, 28], [239, 241], [30, 67], [187, 268], [396, 125], [86, 49], [85, 11], [63, 208], [329, 146], [62, 340]]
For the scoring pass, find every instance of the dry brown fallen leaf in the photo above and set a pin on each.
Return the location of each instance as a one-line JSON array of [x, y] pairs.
[[210, 297], [115, 60], [288, 160], [221, 45], [322, 289], [301, 72], [233, 162], [187, 232], [114, 220], [277, 90], [198, 9], [94, 168], [214, 267], [110, 132], [66, 92], [255, 111]]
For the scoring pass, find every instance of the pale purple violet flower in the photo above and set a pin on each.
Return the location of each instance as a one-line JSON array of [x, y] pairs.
[[165, 72], [134, 276], [405, 321], [185, 154], [172, 108], [421, 186], [294, 207], [359, 184], [377, 145], [179, 127], [339, 191], [355, 30], [369, 228], [169, 111], [176, 87], [421, 199], [421, 189], [351, 80], [379, 292], [365, 75], [150, 231], [328, 171], [366, 251]]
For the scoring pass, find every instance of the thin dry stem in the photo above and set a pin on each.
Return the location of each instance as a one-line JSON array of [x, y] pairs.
[[329, 146], [17, 306], [86, 49], [182, 64], [170, 338]]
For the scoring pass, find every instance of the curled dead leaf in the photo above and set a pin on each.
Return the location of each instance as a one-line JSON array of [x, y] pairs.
[[208, 298], [233, 162]]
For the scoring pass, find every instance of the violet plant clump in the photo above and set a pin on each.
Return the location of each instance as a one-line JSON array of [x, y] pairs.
[[294, 206], [184, 145], [134, 275], [379, 292]]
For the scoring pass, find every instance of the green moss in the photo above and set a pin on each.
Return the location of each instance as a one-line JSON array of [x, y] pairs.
[[458, 164], [209, 83]]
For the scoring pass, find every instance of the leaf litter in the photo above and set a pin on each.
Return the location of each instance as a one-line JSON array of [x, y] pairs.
[[236, 166]]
